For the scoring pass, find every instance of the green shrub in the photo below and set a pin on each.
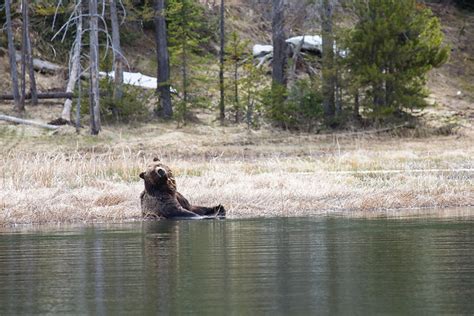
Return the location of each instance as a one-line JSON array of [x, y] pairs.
[[300, 108], [307, 99], [131, 107]]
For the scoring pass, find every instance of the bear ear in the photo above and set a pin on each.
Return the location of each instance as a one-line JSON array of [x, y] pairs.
[[142, 175], [156, 159]]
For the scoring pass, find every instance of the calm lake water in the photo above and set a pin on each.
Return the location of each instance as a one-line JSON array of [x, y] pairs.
[[242, 267]]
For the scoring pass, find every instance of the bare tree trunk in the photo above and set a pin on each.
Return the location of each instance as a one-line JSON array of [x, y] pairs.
[[184, 67], [221, 64], [279, 44], [236, 92], [31, 72], [328, 62], [356, 105], [118, 56], [42, 66], [337, 91], [161, 37], [78, 103], [27, 122], [29, 54], [94, 105], [379, 94], [249, 112], [79, 83], [47, 95], [294, 62], [23, 55], [75, 66], [12, 56]]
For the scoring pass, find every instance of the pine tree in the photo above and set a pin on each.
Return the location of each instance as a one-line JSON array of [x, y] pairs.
[[278, 91], [391, 49], [187, 30], [251, 87], [236, 53]]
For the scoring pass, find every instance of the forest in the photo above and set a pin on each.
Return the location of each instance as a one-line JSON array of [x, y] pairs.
[[373, 97], [373, 72]]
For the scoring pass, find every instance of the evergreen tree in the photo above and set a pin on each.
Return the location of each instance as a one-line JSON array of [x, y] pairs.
[[251, 87], [187, 31], [391, 49], [237, 52], [280, 51]]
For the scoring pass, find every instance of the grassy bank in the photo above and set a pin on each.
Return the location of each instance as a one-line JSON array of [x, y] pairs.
[[69, 178]]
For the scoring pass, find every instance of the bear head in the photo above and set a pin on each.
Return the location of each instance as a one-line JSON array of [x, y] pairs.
[[158, 177]]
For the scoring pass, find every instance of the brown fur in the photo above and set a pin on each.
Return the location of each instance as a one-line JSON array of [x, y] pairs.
[[161, 200]]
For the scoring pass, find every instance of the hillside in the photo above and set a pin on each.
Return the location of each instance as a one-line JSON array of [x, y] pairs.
[[451, 87]]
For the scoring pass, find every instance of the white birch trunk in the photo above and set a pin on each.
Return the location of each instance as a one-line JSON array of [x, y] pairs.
[[75, 67]]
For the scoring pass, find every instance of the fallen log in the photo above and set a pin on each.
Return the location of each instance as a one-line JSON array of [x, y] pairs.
[[48, 95], [27, 122], [42, 65]]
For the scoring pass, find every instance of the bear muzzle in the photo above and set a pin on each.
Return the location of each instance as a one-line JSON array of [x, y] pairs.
[[160, 172]]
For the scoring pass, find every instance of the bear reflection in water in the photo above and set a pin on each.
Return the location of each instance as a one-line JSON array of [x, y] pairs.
[[160, 199]]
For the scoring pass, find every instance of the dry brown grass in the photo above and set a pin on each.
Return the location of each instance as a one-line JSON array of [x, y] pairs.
[[69, 178]]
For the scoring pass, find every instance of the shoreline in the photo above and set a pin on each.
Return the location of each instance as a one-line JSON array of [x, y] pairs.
[[267, 194], [446, 212], [267, 173]]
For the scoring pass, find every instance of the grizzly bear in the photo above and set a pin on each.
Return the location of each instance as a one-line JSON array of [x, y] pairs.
[[161, 200]]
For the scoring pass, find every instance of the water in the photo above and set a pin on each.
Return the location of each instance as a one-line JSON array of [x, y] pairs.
[[242, 267]]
